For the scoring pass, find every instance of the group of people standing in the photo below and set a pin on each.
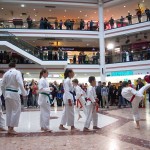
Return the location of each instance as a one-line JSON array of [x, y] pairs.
[[12, 87]]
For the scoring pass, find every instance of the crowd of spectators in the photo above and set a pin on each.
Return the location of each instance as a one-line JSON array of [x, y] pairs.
[[128, 56], [7, 57], [121, 22], [69, 23]]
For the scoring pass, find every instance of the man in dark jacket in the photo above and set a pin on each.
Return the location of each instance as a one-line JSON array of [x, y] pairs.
[[147, 12], [121, 99], [140, 84], [98, 93]]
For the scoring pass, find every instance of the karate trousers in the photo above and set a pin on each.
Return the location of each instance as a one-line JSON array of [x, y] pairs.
[[68, 115], [78, 106], [13, 111], [2, 120], [44, 115], [91, 116], [136, 101]]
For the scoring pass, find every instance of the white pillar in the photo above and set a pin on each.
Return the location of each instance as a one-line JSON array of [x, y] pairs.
[[101, 41]]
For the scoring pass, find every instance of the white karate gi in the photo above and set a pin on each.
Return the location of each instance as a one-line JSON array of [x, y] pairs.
[[91, 108], [128, 92], [2, 120], [80, 97], [68, 112], [12, 81], [44, 103]]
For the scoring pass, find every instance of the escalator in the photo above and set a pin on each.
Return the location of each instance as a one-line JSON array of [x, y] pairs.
[[26, 50]]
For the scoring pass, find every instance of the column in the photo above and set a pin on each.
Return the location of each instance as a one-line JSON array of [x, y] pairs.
[[101, 42]]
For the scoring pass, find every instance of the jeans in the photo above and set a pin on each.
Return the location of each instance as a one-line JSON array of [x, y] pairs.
[[121, 101], [34, 98]]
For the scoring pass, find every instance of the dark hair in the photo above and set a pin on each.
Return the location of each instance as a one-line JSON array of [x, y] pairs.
[[91, 79], [125, 83], [75, 81], [104, 83], [129, 81], [66, 73], [12, 64], [120, 82], [2, 71], [44, 70]]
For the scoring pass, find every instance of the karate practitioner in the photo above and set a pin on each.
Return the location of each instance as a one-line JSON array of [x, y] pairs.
[[80, 99], [11, 83], [135, 98], [44, 100], [68, 112], [2, 120], [91, 105]]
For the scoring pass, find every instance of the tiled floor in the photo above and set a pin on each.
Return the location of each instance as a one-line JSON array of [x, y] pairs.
[[117, 133]]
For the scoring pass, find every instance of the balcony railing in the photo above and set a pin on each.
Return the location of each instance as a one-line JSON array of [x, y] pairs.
[[128, 56], [72, 26]]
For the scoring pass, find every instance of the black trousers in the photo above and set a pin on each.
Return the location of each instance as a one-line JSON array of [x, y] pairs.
[[100, 100]]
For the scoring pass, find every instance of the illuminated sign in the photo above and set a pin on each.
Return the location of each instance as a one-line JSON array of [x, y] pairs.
[[122, 73]]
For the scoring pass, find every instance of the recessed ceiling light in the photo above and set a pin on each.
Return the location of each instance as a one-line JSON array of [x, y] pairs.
[[65, 10], [34, 9], [50, 10], [64, 16], [80, 11], [35, 15], [128, 11], [2, 8], [22, 5], [95, 12], [33, 19], [124, 6], [85, 15]]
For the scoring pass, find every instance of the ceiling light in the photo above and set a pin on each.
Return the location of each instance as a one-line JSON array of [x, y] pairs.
[[128, 11], [110, 46], [87, 44], [143, 1], [65, 10], [27, 73], [124, 6], [80, 11], [34, 9], [2, 8], [78, 17], [64, 16], [22, 5], [33, 19], [24, 26], [95, 12], [85, 15], [50, 10], [35, 15]]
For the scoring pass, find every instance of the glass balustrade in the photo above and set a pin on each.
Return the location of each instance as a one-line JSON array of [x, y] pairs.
[[21, 24], [123, 57]]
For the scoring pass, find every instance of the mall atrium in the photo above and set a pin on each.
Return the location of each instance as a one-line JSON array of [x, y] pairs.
[[75, 74]]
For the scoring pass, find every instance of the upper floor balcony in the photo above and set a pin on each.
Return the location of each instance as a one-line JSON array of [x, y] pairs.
[[75, 29]]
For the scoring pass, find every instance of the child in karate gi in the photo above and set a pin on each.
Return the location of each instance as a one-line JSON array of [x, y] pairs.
[[2, 121], [68, 112], [92, 103], [135, 98], [80, 99], [44, 100]]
